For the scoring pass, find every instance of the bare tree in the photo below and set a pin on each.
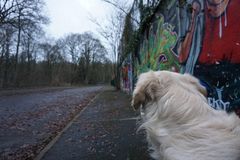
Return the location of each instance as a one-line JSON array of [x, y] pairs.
[[25, 61], [92, 51], [84, 50], [6, 53], [112, 32], [73, 46], [28, 22], [25, 19]]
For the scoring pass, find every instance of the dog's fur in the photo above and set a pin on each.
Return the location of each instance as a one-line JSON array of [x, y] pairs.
[[179, 123]]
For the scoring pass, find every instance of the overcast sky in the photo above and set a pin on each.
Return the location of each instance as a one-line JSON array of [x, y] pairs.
[[72, 16]]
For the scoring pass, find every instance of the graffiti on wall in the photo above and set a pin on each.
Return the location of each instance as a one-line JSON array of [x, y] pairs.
[[156, 49], [209, 48], [126, 75], [203, 36]]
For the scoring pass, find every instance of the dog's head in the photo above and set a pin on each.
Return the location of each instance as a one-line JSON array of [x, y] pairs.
[[152, 85], [148, 86]]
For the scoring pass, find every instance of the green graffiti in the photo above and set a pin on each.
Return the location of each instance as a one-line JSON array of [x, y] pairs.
[[156, 50]]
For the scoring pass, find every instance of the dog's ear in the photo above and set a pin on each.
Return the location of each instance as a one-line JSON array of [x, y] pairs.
[[196, 83], [145, 89], [137, 100]]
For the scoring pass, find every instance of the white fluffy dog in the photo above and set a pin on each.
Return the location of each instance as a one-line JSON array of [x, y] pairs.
[[179, 123]]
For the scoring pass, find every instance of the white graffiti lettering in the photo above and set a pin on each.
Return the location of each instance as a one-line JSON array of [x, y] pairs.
[[218, 104]]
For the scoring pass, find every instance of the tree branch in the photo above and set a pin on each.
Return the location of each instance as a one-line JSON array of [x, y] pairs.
[[121, 8]]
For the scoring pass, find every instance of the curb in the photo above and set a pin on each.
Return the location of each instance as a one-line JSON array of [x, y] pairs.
[[54, 140]]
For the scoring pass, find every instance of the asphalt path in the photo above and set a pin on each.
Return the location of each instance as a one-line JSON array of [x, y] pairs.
[[30, 120], [104, 130]]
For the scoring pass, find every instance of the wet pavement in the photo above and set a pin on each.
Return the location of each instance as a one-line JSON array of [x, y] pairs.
[[105, 130], [30, 120]]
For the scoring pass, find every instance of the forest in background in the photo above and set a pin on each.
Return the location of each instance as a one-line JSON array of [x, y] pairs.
[[29, 58]]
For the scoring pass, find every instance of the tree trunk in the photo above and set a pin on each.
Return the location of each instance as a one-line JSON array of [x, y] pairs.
[[17, 50], [1, 65], [18, 42], [7, 54]]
